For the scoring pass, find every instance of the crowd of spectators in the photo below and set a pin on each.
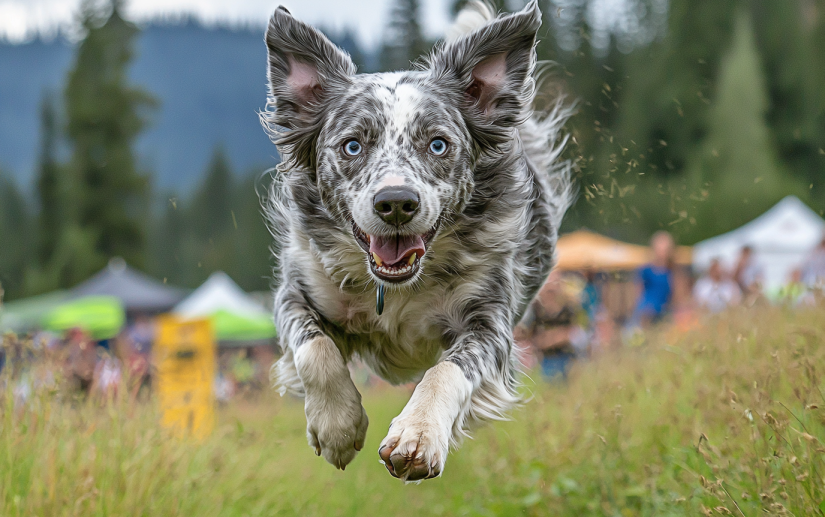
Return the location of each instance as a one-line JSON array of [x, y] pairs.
[[78, 366], [75, 364], [568, 319]]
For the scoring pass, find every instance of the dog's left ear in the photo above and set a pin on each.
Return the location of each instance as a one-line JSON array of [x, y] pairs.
[[492, 66], [305, 69]]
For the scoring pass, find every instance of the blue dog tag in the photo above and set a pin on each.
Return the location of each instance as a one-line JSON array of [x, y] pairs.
[[379, 299]]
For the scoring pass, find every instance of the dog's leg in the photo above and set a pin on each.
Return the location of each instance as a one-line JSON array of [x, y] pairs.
[[475, 380], [336, 420], [419, 438]]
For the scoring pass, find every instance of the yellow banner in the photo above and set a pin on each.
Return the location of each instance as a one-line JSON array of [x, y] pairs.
[[184, 354]]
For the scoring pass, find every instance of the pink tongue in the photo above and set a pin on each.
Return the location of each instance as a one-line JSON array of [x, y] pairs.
[[393, 249]]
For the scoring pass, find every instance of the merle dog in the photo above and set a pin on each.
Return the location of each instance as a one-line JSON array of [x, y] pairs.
[[416, 216]]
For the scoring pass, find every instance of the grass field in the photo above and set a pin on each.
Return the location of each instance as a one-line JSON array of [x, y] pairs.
[[726, 420]]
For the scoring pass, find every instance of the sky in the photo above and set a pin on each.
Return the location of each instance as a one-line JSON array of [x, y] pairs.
[[21, 19]]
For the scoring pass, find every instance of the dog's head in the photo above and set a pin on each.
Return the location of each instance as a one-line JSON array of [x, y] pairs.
[[393, 155]]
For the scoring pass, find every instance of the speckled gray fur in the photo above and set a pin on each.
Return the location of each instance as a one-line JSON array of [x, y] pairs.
[[497, 198]]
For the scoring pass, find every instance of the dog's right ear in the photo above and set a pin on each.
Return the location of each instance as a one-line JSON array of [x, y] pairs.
[[305, 68], [492, 65]]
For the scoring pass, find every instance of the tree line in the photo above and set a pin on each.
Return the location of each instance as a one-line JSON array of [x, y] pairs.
[[693, 117], [96, 202]]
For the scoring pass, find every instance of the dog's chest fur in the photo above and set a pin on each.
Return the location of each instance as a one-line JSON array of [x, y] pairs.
[[400, 344]]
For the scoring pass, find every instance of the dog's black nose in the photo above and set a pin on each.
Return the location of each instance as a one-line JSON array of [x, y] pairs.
[[396, 205]]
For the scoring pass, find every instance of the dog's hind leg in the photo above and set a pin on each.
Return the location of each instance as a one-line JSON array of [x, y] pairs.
[[336, 420], [474, 381]]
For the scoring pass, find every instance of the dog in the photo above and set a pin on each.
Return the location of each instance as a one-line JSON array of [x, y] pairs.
[[415, 216]]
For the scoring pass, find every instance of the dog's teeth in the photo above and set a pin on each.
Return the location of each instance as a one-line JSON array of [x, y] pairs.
[[412, 259], [399, 270]]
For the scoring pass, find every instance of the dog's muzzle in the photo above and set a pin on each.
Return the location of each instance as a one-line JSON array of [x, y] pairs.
[[397, 257]]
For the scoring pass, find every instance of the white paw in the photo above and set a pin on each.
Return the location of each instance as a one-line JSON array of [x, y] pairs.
[[336, 425], [415, 448]]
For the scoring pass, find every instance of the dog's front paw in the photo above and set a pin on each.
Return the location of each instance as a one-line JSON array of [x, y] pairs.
[[415, 449], [336, 426]]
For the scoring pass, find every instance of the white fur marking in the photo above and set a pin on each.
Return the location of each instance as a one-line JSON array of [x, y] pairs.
[[390, 180]]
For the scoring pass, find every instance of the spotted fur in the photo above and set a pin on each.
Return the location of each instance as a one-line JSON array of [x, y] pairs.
[[495, 199]]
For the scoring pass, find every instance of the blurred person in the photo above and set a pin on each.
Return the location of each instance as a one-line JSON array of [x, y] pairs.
[[107, 375], [22, 390], [813, 270], [224, 388], [655, 282], [81, 360], [242, 371], [135, 346], [796, 291], [591, 298], [599, 324], [137, 371], [748, 273], [18, 358], [551, 329], [48, 347], [141, 334], [715, 291]]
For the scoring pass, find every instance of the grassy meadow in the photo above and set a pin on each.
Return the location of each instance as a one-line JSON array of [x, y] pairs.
[[728, 419]]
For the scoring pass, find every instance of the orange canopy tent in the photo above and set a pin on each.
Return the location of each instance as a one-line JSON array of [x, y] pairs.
[[584, 249]]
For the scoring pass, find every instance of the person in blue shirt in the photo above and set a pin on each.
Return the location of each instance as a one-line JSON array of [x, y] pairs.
[[655, 282], [591, 298]]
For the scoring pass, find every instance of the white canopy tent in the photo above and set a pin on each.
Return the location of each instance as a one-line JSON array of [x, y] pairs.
[[781, 238], [219, 293]]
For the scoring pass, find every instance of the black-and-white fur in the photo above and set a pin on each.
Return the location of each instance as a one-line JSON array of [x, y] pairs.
[[490, 207]]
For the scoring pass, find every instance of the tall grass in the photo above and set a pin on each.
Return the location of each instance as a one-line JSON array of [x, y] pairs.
[[726, 420]]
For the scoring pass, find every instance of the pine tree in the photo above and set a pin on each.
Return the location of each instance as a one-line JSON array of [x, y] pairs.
[[669, 83], [15, 238], [50, 219], [251, 266], [105, 116], [347, 40], [790, 39], [198, 234], [166, 236], [736, 175], [404, 42], [211, 206], [499, 6]]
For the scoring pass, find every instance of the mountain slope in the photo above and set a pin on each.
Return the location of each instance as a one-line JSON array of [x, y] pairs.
[[210, 82]]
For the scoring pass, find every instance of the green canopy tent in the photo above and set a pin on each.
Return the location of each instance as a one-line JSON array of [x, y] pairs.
[[238, 319], [24, 315], [101, 316], [235, 327]]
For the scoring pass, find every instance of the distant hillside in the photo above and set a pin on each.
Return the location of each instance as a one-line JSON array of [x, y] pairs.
[[210, 81]]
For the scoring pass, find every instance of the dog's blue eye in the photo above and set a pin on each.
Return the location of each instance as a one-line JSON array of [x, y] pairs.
[[352, 148], [438, 146]]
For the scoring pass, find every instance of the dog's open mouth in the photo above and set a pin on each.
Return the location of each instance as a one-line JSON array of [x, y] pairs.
[[396, 258]]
